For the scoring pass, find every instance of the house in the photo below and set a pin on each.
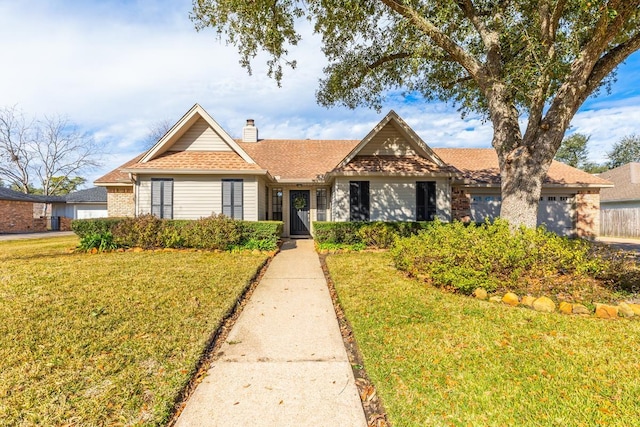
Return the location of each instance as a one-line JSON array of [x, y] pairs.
[[620, 205], [197, 169], [89, 203], [21, 213]]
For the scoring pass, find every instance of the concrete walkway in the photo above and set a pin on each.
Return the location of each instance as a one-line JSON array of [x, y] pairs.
[[44, 235], [284, 362], [626, 244]]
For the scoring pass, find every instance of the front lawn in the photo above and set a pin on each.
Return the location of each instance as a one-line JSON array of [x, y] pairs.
[[438, 358], [106, 339]]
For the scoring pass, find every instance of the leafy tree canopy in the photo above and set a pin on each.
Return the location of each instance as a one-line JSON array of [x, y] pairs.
[[573, 151], [625, 151], [503, 59]]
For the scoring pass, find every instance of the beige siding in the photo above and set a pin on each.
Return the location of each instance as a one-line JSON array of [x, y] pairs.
[[388, 142], [391, 199], [199, 196], [200, 137], [262, 200]]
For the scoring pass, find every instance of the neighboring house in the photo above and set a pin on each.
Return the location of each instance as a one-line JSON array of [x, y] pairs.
[[82, 204], [198, 169], [20, 213], [620, 205]]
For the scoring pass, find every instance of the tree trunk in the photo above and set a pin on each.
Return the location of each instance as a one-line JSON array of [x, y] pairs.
[[522, 176]]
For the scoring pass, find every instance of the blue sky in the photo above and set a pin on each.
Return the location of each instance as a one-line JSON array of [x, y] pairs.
[[116, 67]]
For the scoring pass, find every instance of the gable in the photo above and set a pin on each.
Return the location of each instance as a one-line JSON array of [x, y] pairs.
[[388, 141], [200, 137], [196, 131]]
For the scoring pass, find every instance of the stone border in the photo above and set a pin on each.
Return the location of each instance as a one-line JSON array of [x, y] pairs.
[[545, 304]]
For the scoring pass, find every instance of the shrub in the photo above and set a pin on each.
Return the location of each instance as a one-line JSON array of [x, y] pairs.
[[100, 241], [263, 235], [377, 234], [464, 257], [84, 227], [214, 232], [144, 231]]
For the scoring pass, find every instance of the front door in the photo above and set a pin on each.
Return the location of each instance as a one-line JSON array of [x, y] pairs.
[[299, 212]]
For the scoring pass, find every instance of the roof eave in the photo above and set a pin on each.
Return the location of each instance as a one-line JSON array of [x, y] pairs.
[[151, 171], [113, 184]]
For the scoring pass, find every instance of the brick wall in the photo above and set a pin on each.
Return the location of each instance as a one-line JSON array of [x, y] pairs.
[[17, 217], [588, 213], [120, 202], [460, 204]]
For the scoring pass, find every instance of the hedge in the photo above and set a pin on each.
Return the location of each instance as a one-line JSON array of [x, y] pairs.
[[378, 234], [147, 231]]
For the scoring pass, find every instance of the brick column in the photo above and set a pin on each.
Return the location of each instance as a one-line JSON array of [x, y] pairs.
[[460, 204], [588, 213], [120, 202]]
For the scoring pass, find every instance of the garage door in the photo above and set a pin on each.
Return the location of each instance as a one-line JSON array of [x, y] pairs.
[[556, 212], [87, 212]]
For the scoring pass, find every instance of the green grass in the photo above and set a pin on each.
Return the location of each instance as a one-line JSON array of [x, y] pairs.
[[106, 339], [443, 359]]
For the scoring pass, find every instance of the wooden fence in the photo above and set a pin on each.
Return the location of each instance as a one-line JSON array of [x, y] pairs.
[[620, 222]]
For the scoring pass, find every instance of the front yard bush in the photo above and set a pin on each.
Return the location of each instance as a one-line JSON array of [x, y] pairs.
[[463, 257], [216, 232], [374, 234], [84, 227]]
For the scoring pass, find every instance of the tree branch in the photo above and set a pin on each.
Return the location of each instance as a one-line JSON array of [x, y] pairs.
[[473, 66], [388, 58]]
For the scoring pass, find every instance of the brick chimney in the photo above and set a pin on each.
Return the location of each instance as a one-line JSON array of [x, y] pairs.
[[250, 132]]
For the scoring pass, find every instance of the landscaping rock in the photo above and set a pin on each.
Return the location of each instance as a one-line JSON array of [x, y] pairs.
[[635, 308], [580, 309], [565, 307], [511, 299], [625, 310], [544, 304], [528, 300], [495, 298], [480, 293], [604, 311]]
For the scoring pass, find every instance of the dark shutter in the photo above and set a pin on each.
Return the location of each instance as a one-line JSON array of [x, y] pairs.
[[359, 200], [425, 200], [232, 198], [237, 199], [167, 199], [162, 198], [156, 198]]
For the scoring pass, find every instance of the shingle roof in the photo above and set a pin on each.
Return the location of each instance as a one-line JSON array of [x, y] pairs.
[[480, 166], [306, 160], [90, 195], [8, 194], [196, 160], [117, 176], [298, 159], [626, 181], [393, 165]]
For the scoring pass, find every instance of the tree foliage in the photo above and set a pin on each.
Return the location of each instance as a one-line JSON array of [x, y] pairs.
[[625, 151], [47, 154], [573, 151], [503, 59]]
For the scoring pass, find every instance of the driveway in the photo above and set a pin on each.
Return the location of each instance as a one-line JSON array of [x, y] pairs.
[[21, 236], [632, 245]]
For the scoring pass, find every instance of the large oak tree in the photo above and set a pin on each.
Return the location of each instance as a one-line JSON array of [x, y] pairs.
[[508, 60]]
